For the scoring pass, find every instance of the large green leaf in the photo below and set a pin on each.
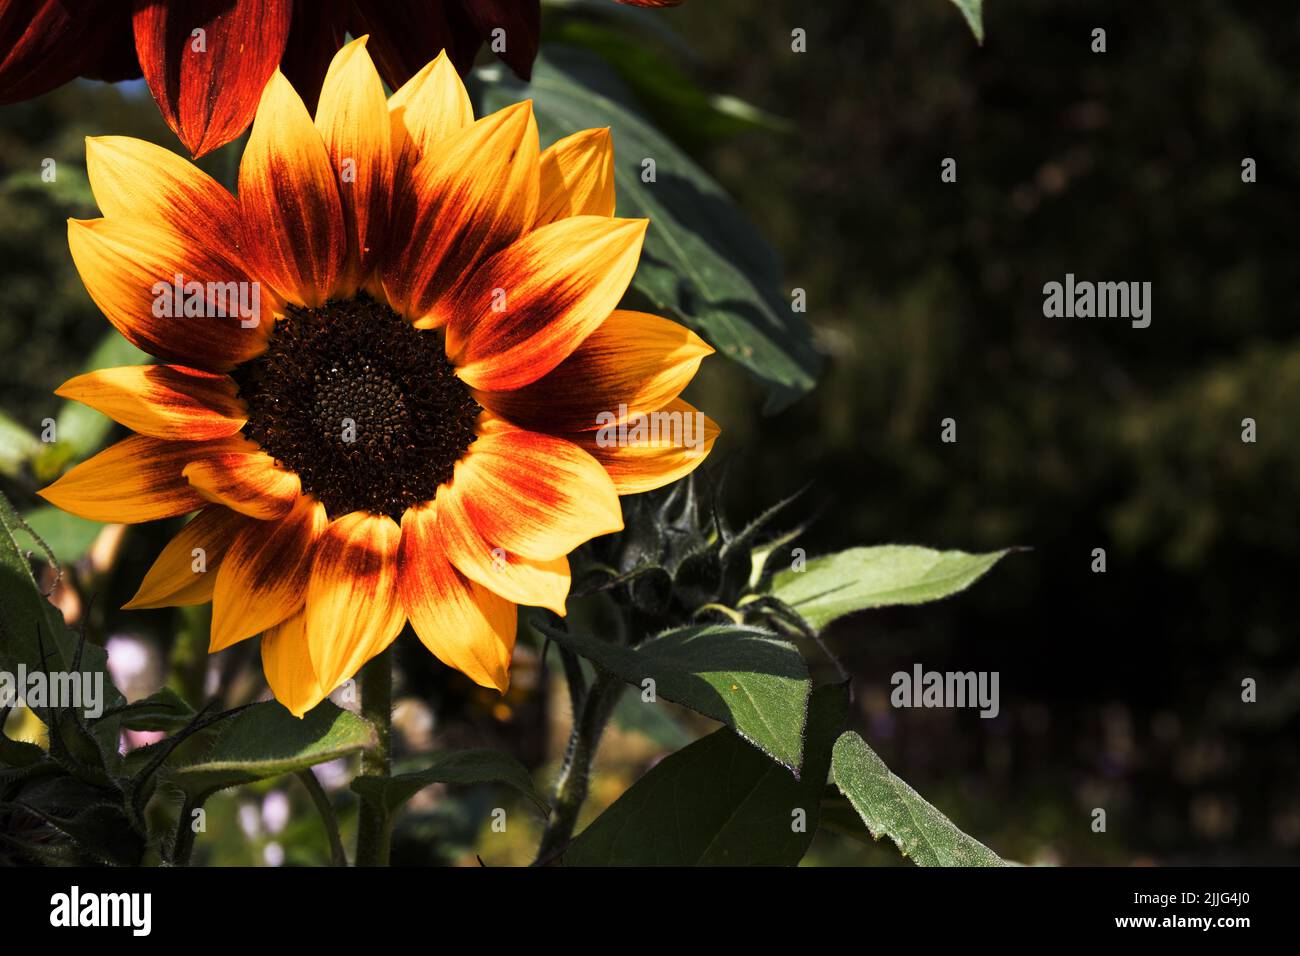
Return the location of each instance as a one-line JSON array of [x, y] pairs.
[[267, 741], [669, 95], [703, 263], [451, 766], [635, 21], [67, 535], [837, 584], [742, 676], [973, 11], [718, 802], [889, 807], [30, 626]]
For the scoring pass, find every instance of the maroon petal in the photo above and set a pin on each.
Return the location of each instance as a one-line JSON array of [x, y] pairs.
[[115, 58], [208, 95], [319, 28], [520, 19], [44, 44], [404, 36]]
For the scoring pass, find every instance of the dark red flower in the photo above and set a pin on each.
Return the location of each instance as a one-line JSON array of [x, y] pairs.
[[207, 61]]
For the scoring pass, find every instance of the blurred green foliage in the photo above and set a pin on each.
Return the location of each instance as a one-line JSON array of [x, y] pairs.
[[1124, 688]]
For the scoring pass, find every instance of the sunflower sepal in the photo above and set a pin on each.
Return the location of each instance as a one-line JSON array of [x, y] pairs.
[[678, 561]]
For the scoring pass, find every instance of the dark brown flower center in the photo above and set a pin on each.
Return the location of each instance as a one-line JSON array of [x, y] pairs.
[[362, 405]]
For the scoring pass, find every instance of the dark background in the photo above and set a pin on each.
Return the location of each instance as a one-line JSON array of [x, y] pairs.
[[1119, 690]]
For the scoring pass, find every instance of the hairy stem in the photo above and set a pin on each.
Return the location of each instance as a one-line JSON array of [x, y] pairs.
[[374, 829], [575, 773], [338, 856]]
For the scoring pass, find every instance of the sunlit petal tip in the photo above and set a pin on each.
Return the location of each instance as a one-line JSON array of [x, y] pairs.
[[288, 668], [464, 624], [577, 177]]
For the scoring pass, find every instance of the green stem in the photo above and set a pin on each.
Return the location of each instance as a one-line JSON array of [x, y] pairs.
[[189, 653], [575, 773], [338, 856], [183, 845], [374, 828]]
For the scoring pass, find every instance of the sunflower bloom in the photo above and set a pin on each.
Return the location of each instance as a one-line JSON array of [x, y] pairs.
[[206, 61], [443, 399]]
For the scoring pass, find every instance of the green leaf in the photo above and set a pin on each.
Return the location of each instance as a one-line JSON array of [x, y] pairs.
[[30, 624], [703, 263], [889, 807], [742, 676], [267, 741], [165, 710], [452, 766], [635, 21], [668, 94], [718, 802], [838, 584], [17, 446], [632, 715], [68, 536], [973, 11]]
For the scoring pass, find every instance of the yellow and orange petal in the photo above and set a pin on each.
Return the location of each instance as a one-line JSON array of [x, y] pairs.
[[236, 473], [353, 611], [287, 665], [353, 121], [138, 479], [265, 573], [526, 309], [633, 362], [162, 401], [129, 266], [473, 195], [535, 495], [464, 624], [577, 177], [186, 570], [293, 226]]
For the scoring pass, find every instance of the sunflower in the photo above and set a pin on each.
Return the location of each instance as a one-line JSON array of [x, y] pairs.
[[442, 402], [207, 83]]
